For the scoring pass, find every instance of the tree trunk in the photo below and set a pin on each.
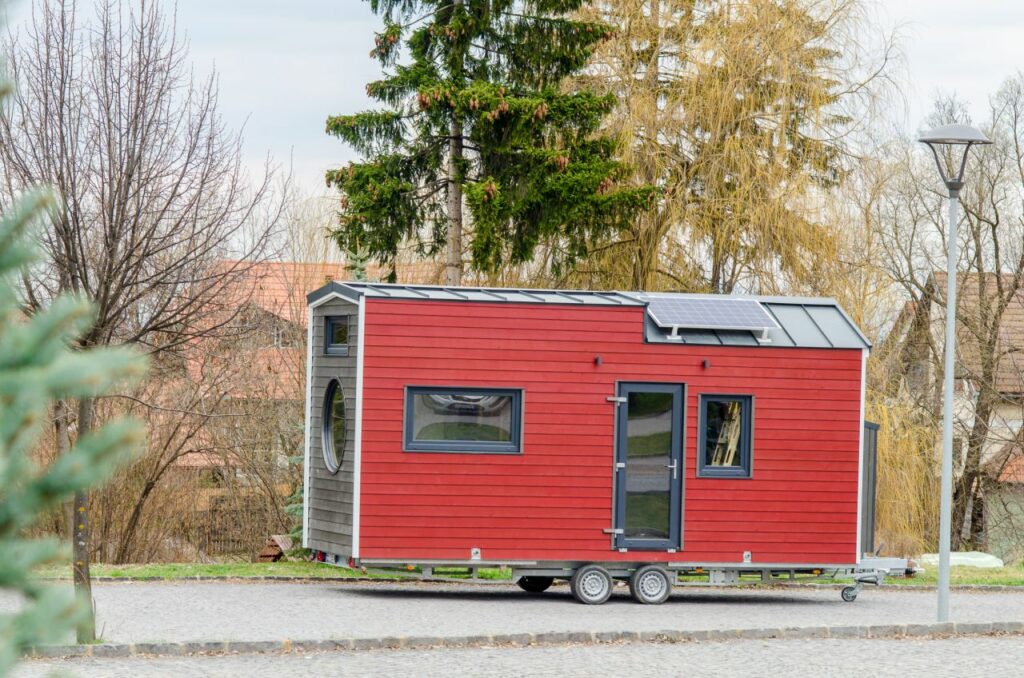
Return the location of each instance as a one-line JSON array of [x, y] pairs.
[[128, 536], [453, 265], [964, 487], [453, 268], [61, 422], [978, 535], [86, 631]]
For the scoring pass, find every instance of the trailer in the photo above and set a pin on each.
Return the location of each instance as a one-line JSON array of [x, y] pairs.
[[656, 438]]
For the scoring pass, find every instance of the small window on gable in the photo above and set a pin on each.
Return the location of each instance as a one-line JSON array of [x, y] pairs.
[[726, 432], [336, 331], [484, 420]]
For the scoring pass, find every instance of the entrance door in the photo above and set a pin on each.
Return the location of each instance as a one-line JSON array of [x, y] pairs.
[[649, 466]]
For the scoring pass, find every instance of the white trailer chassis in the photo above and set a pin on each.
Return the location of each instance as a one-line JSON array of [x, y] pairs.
[[537, 576]]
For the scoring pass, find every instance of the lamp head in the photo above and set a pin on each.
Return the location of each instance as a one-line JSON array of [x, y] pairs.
[[953, 135]]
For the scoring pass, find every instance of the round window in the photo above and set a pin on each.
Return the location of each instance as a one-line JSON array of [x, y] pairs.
[[333, 435]]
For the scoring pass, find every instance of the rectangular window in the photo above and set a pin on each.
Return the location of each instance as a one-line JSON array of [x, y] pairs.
[[726, 430], [486, 420], [336, 335]]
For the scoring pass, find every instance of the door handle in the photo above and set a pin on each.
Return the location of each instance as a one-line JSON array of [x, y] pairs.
[[675, 468]]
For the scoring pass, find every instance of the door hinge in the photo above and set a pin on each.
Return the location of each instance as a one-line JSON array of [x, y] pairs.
[[612, 530], [620, 464], [618, 400]]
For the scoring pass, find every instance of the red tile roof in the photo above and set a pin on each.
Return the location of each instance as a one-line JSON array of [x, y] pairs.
[[1010, 372], [1013, 471], [280, 287]]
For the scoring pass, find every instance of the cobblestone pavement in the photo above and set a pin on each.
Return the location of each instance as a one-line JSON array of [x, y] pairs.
[[197, 611], [988, 656]]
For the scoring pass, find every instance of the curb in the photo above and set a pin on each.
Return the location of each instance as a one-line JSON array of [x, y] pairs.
[[107, 650], [887, 587], [977, 588], [260, 579]]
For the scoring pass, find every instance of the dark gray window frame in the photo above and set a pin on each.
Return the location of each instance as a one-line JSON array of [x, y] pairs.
[[464, 446], [326, 433], [677, 501], [329, 322], [746, 467]]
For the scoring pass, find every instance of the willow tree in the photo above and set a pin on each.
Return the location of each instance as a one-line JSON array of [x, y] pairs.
[[739, 111], [475, 123]]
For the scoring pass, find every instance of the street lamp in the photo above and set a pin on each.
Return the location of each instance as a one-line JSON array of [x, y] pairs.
[[949, 135]]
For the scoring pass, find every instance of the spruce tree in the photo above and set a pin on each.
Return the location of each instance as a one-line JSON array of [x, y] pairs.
[[477, 116], [37, 367]]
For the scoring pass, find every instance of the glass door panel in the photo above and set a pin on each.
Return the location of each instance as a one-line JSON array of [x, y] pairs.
[[649, 466]]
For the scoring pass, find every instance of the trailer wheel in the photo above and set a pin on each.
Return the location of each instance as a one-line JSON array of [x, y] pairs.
[[650, 585], [849, 593], [591, 585], [535, 584]]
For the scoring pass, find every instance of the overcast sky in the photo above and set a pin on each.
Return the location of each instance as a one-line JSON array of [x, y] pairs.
[[285, 66]]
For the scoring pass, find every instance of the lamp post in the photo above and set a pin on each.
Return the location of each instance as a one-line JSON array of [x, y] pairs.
[[949, 135]]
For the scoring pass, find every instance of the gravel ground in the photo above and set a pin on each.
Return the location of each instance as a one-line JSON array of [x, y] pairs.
[[174, 612], [989, 656]]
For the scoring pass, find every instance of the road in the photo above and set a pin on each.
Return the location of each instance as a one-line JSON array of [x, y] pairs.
[[199, 611], [989, 656]]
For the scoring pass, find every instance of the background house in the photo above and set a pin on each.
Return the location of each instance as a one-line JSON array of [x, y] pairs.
[[244, 462], [989, 395]]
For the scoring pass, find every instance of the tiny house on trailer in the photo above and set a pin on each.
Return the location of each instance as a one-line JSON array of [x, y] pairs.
[[587, 436]]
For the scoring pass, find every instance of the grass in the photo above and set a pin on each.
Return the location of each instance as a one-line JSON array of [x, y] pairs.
[[462, 430], [996, 576], [291, 568], [1001, 576], [651, 445]]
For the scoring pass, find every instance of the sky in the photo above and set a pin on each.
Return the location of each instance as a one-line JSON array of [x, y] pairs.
[[284, 67]]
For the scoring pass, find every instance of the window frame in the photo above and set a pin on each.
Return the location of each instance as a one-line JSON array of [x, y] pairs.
[[331, 348], [327, 430], [514, 447], [746, 467]]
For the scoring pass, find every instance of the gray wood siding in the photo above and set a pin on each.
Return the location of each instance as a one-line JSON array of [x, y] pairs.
[[330, 494]]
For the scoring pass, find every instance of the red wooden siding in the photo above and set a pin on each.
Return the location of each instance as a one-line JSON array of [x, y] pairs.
[[554, 501]]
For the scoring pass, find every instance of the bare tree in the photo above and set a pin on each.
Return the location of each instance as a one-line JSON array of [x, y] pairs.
[[991, 279], [154, 193]]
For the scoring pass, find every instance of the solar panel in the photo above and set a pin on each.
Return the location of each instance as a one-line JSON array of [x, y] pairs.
[[723, 313]]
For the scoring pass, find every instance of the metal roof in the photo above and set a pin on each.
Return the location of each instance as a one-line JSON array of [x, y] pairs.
[[804, 322], [353, 290]]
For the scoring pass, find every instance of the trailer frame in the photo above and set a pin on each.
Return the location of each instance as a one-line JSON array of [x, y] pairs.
[[870, 571]]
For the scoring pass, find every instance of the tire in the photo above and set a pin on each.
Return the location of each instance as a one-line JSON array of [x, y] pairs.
[[591, 585], [650, 585], [849, 593], [535, 584]]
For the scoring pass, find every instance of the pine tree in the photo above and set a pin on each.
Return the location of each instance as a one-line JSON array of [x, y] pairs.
[[479, 118], [357, 262], [37, 367]]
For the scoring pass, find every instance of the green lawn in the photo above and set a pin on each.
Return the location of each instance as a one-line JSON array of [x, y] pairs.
[[1003, 576], [650, 445], [1000, 576], [463, 430], [291, 568]]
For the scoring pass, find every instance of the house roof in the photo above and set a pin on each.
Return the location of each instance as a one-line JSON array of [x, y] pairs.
[[802, 322], [1013, 470], [1010, 371], [280, 287]]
